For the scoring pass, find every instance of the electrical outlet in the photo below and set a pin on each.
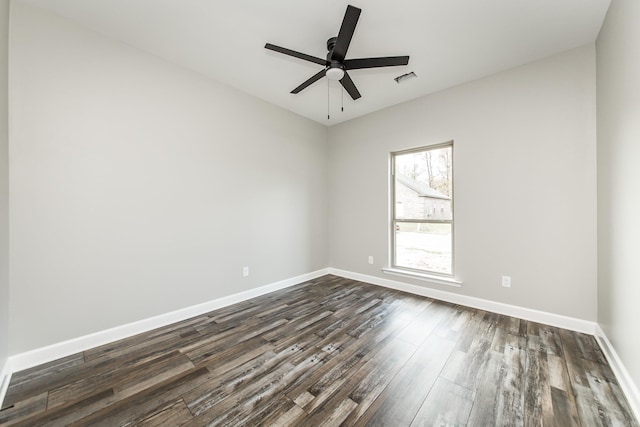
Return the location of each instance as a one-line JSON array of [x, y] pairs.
[[506, 281], [245, 271], [370, 259]]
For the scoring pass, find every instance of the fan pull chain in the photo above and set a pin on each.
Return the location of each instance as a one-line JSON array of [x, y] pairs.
[[342, 101], [328, 91]]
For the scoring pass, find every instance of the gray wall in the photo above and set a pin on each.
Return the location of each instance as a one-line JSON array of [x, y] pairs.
[[4, 184], [524, 183], [618, 65], [139, 187]]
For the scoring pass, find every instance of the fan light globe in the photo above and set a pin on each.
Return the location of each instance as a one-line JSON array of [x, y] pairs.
[[335, 73]]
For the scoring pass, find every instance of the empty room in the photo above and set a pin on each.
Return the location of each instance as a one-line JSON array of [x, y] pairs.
[[295, 213]]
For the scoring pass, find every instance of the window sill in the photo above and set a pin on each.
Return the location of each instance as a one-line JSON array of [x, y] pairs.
[[423, 276]]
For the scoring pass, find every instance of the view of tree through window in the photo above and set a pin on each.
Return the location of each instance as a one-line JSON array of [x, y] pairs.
[[423, 209]]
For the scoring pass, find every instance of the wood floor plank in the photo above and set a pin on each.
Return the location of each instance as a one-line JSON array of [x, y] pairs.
[[577, 355], [332, 373], [353, 352], [229, 387], [137, 377], [329, 351], [310, 333], [399, 403], [474, 322], [510, 402], [137, 356], [224, 353], [502, 332], [172, 414], [420, 328], [538, 404], [144, 348], [125, 345], [144, 404], [23, 408], [303, 324], [544, 338], [207, 395], [369, 388], [608, 397], [292, 417], [487, 408], [30, 382], [40, 372], [558, 374], [264, 412], [452, 326], [588, 410], [200, 351], [565, 412], [361, 385], [448, 404], [68, 413], [332, 417], [468, 362], [500, 396], [239, 403]]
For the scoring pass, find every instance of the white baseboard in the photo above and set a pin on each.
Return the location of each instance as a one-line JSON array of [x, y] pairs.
[[626, 382], [544, 317], [52, 352], [5, 378]]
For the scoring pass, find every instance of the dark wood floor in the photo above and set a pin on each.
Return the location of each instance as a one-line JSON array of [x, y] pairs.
[[330, 351]]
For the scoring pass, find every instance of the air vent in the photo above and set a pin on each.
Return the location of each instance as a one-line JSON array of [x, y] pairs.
[[403, 78]]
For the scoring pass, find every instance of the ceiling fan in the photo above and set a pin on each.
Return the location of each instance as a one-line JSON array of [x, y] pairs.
[[336, 66]]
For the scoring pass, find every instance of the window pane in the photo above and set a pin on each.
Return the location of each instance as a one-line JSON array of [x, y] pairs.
[[423, 246], [423, 185]]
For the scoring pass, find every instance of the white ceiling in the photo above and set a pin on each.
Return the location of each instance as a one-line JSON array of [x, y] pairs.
[[449, 41]]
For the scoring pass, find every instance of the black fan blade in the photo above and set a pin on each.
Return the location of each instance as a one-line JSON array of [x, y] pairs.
[[296, 54], [346, 33], [389, 61], [351, 89], [312, 80]]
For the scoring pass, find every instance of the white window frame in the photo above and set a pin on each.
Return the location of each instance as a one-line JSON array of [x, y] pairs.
[[419, 273]]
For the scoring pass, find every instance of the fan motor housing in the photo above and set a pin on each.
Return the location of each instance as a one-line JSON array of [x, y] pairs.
[[331, 43]]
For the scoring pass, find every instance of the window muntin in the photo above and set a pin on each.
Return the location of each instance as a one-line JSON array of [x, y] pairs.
[[422, 209]]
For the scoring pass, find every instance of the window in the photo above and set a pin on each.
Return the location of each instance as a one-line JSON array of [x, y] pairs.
[[422, 209]]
